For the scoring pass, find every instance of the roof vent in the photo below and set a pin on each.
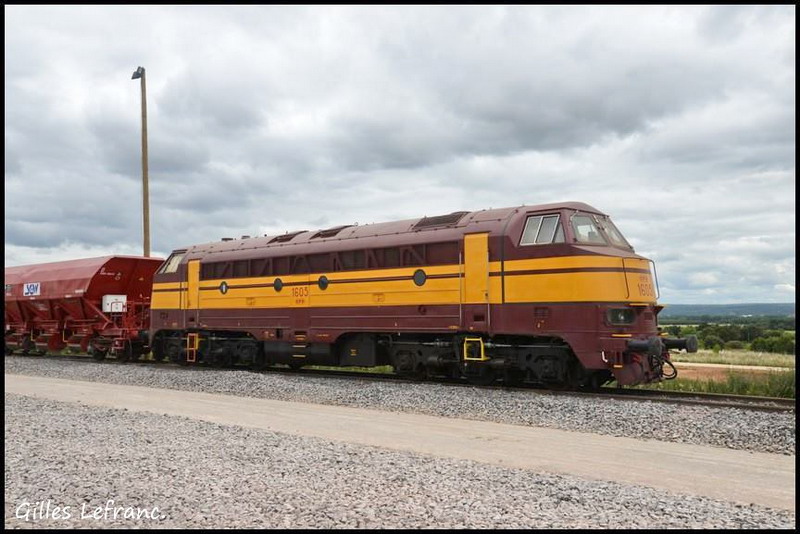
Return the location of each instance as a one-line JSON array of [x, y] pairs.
[[330, 232], [227, 239], [440, 220], [245, 237], [285, 237]]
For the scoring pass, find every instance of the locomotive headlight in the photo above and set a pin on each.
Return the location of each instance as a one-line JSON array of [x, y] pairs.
[[621, 316]]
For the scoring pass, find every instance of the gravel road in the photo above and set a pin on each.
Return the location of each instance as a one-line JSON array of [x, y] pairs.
[[723, 427], [207, 475]]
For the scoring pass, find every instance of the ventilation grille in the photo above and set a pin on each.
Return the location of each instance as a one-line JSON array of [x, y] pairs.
[[440, 220], [285, 237], [330, 232]]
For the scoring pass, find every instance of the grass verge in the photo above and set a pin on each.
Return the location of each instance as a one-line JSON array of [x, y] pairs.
[[776, 384]]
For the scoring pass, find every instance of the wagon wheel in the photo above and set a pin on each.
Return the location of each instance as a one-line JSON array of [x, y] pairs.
[[294, 366], [9, 350], [125, 354], [136, 353], [97, 354], [28, 346]]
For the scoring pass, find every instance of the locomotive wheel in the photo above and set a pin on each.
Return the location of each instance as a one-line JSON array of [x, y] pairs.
[[421, 372], [173, 351], [483, 377], [259, 361], [221, 358], [158, 350], [513, 377], [9, 350], [597, 379], [404, 362], [97, 354]]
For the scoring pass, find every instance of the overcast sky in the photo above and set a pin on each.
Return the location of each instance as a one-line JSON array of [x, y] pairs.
[[679, 122]]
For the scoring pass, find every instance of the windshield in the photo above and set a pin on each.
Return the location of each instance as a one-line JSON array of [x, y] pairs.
[[597, 229], [613, 233], [171, 265], [585, 229]]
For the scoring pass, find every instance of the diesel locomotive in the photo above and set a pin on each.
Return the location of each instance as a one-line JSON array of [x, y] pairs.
[[550, 294]]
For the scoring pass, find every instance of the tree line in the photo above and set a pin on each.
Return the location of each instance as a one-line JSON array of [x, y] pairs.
[[763, 334]]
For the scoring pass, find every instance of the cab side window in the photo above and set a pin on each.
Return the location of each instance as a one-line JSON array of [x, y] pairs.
[[541, 230]]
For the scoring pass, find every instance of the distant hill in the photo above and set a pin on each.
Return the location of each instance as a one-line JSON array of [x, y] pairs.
[[690, 310]]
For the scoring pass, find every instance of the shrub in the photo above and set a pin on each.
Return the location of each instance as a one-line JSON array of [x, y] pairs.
[[711, 341]]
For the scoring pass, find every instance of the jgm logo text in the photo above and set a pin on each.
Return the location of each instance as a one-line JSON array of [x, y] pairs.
[[30, 290]]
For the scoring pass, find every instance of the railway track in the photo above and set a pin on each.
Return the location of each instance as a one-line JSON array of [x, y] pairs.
[[767, 404]]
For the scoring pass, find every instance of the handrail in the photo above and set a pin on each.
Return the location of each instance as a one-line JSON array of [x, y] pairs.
[[625, 273]]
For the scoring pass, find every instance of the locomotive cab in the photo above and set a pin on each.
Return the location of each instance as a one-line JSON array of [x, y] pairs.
[[581, 282]]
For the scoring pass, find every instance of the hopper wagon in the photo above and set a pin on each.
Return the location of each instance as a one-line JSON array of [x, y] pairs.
[[97, 305]]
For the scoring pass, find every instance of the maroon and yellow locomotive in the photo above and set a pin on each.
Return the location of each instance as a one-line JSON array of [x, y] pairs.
[[549, 294]]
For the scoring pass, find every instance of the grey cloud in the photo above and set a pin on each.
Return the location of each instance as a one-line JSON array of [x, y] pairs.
[[677, 121]]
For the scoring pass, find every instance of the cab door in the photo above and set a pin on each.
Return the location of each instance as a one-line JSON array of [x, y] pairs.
[[475, 283], [192, 299]]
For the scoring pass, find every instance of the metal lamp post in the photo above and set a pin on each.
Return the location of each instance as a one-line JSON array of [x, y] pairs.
[[139, 73]]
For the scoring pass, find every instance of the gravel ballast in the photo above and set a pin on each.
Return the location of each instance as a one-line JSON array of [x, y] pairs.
[[207, 475], [719, 426]]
